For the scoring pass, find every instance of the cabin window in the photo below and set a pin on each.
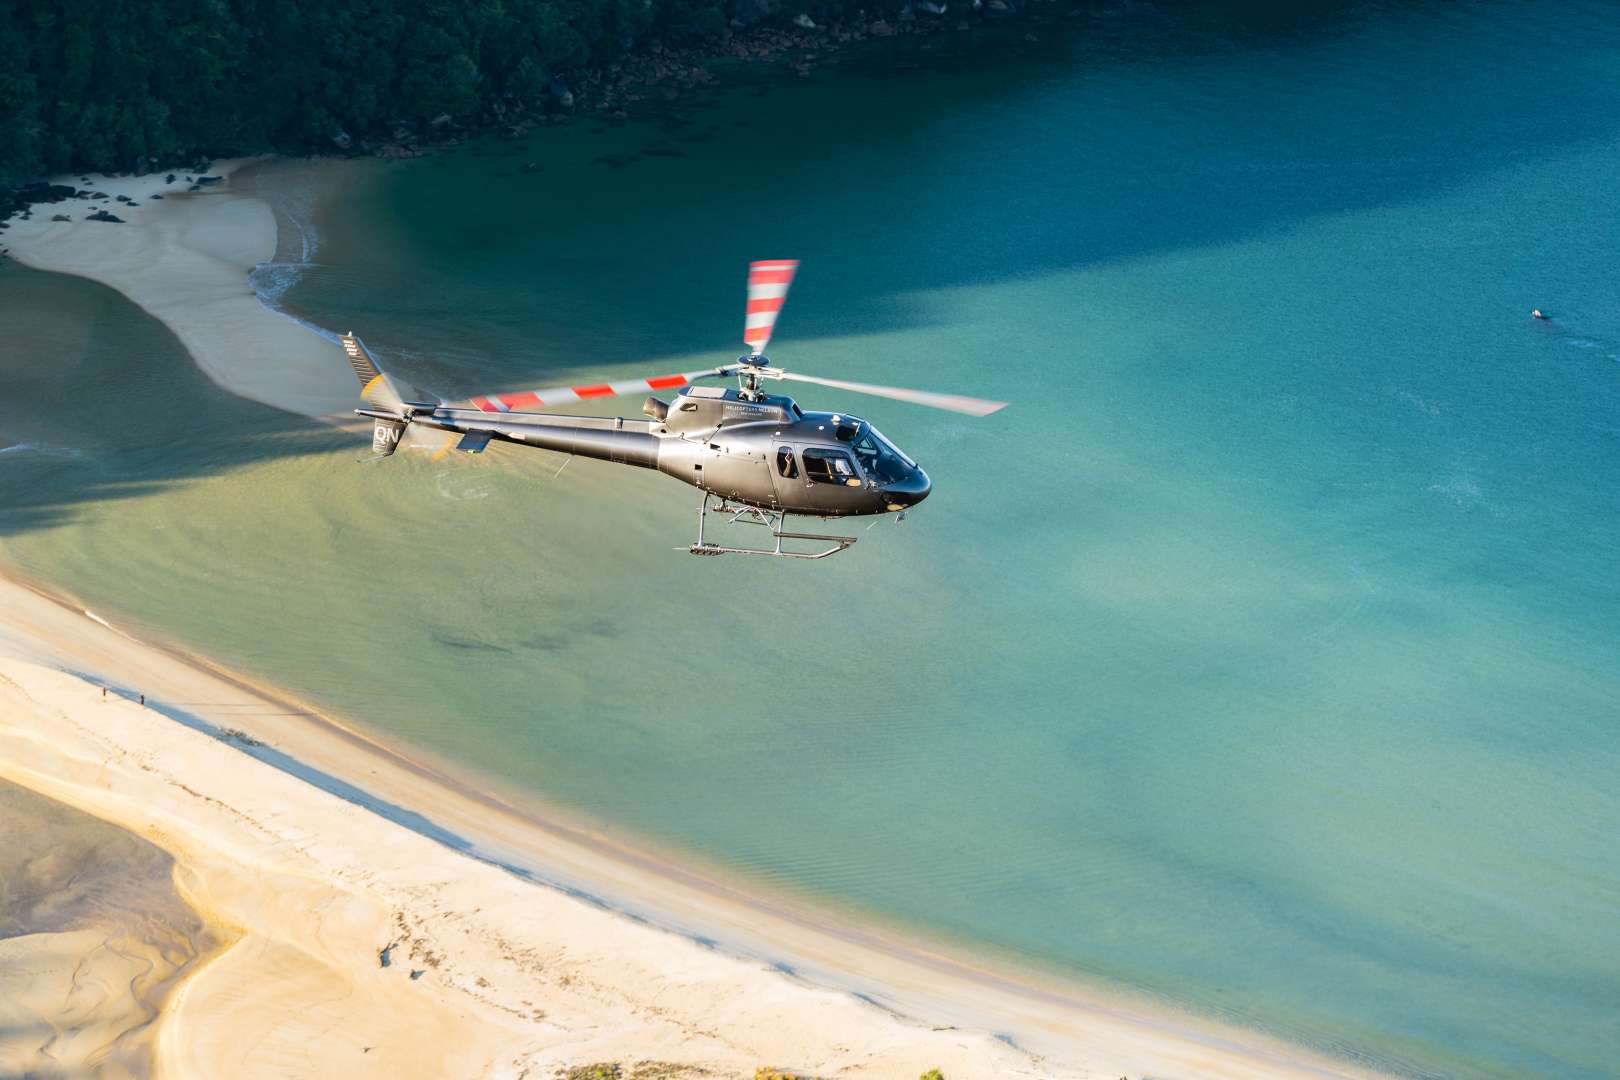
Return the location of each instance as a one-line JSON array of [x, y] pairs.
[[830, 467], [880, 459], [785, 465], [688, 406]]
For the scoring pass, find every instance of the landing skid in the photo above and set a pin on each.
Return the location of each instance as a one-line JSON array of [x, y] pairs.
[[772, 520]]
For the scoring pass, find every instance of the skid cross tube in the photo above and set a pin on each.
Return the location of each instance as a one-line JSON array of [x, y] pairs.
[[772, 520]]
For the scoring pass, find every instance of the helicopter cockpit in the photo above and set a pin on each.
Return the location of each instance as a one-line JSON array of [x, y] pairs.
[[880, 459]]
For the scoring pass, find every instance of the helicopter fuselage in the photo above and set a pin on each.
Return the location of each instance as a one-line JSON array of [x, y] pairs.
[[760, 450]]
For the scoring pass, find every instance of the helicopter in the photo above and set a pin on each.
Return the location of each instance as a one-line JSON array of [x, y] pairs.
[[756, 456]]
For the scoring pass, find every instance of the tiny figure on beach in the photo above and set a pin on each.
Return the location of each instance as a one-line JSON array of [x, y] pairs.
[[103, 693], [1537, 313], [143, 699]]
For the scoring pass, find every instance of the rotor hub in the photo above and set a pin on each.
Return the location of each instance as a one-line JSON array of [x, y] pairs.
[[751, 374]]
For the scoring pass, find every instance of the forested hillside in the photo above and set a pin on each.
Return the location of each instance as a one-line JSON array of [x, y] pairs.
[[133, 84]]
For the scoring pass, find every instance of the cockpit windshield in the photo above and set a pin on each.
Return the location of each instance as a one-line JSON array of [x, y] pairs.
[[879, 457]]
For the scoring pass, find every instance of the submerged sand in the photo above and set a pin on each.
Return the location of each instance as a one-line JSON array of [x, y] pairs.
[[520, 941]]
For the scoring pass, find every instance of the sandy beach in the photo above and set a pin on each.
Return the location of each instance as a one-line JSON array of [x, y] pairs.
[[519, 941]]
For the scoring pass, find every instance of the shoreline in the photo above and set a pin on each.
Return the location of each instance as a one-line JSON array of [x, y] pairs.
[[886, 993], [652, 74]]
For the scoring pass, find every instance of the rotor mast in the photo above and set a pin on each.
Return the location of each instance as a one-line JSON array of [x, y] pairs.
[[752, 371]]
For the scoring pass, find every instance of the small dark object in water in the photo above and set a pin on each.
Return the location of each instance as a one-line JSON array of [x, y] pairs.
[[102, 215], [169, 179], [1537, 313], [156, 196], [60, 217], [210, 180]]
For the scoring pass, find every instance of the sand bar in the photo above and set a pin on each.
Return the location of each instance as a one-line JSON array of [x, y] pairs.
[[185, 258]]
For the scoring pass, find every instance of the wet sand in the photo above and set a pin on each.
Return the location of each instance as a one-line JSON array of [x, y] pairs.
[[93, 935]]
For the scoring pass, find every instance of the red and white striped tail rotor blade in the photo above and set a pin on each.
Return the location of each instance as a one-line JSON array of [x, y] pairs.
[[768, 282], [955, 402], [524, 400]]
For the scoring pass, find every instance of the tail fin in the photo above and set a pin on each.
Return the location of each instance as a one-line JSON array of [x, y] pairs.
[[378, 391]]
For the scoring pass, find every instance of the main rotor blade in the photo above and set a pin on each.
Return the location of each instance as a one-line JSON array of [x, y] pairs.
[[561, 395], [768, 282], [954, 402]]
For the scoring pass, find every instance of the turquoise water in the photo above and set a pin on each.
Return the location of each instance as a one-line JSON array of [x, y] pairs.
[[1261, 656]]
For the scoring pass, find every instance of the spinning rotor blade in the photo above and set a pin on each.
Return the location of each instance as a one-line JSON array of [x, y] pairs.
[[561, 395], [954, 402], [768, 282]]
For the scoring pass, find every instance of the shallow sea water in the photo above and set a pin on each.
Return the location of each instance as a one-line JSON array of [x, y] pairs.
[[1260, 657]]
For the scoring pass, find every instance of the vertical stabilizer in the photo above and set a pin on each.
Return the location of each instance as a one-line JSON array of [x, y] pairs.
[[376, 388]]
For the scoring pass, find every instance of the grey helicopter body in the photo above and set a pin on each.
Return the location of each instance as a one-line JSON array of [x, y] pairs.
[[759, 454]]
